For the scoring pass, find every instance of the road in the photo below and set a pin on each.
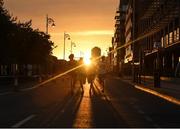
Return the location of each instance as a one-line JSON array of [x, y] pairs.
[[52, 105]]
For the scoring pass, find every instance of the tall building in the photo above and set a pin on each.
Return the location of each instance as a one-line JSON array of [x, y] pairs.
[[119, 36]]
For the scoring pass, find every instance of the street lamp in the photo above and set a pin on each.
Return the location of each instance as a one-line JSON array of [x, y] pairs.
[[66, 36], [72, 45], [49, 21], [133, 42]]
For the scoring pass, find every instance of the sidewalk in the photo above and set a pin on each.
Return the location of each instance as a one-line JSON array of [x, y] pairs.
[[169, 86]]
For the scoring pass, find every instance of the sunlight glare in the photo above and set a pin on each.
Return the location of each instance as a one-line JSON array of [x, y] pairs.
[[87, 60]]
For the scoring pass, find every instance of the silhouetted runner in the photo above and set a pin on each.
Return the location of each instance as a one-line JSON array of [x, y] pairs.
[[91, 73], [73, 74], [81, 73], [102, 71]]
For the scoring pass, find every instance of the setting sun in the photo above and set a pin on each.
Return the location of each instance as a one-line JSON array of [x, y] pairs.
[[87, 60]]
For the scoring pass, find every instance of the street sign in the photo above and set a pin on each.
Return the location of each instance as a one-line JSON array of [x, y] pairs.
[[157, 45]]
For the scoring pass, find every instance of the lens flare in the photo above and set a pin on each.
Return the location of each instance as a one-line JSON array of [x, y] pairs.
[[87, 61]]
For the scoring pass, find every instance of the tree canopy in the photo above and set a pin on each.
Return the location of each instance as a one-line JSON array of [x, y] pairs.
[[20, 43]]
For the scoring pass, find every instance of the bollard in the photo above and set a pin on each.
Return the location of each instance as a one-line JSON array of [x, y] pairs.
[[40, 79], [16, 84], [157, 80]]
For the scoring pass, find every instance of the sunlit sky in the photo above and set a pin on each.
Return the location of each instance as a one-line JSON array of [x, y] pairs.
[[89, 22]]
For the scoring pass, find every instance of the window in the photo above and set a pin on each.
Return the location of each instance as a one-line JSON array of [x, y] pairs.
[[162, 41], [171, 38], [166, 42], [177, 35]]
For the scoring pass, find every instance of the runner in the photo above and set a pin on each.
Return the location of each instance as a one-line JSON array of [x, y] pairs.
[[91, 73], [81, 73], [102, 72], [73, 75]]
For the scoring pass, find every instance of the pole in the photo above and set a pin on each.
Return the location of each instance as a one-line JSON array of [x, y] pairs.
[[47, 24], [64, 45], [71, 47], [133, 72], [157, 80]]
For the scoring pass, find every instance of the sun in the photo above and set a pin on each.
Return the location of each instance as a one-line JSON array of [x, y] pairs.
[[87, 60]]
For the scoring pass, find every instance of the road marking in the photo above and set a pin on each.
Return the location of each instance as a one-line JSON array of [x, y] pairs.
[[19, 124], [165, 97], [156, 126], [5, 93], [30, 88], [148, 118], [107, 97], [141, 112]]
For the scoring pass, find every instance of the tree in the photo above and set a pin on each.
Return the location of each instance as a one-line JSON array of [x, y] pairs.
[[20, 43]]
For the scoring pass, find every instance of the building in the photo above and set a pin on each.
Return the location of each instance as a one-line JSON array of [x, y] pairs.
[[158, 24], [119, 36], [151, 36]]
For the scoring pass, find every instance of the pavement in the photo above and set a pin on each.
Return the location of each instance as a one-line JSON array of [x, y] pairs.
[[169, 86]]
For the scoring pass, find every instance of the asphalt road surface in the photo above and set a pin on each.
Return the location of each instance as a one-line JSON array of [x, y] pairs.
[[52, 105]]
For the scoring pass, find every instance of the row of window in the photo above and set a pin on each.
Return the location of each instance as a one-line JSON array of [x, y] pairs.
[[170, 38]]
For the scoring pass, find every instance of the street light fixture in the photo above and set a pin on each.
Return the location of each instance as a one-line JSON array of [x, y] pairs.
[[72, 45], [49, 21], [66, 36]]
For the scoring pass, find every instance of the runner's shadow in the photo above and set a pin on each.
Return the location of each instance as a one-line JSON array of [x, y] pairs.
[[66, 119], [104, 114]]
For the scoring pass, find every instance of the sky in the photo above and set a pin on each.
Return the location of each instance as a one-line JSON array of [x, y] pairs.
[[89, 23]]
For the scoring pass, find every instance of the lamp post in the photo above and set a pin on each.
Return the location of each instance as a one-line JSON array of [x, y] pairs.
[[72, 45], [49, 21], [66, 36], [133, 47]]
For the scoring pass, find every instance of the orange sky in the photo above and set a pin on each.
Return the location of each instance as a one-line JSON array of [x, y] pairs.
[[89, 22]]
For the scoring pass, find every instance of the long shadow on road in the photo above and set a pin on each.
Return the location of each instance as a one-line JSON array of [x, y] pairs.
[[87, 110]]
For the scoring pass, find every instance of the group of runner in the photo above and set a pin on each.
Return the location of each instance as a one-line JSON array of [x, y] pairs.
[[80, 71]]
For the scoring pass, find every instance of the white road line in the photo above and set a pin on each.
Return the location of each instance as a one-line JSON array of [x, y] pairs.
[[156, 126], [141, 112], [148, 118], [107, 97], [19, 124], [30, 88], [5, 93]]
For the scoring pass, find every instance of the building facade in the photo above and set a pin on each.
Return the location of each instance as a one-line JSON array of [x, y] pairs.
[[151, 37], [159, 24], [119, 36]]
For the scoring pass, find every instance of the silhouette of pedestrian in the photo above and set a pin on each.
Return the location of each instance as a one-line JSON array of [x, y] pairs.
[[91, 73], [73, 75], [81, 73], [102, 71]]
